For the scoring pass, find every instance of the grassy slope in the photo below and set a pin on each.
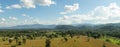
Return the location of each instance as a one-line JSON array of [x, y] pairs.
[[59, 42]]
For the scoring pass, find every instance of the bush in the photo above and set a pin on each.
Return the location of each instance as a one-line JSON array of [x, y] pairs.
[[107, 40], [10, 40], [47, 43], [13, 46], [3, 39], [65, 39], [19, 43], [104, 46], [24, 40]]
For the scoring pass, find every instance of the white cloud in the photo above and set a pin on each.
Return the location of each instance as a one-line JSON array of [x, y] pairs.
[[38, 21], [25, 15], [14, 6], [29, 17], [31, 4], [9, 21], [109, 14], [28, 3], [31, 21], [1, 23], [74, 19], [70, 8], [1, 11], [3, 19], [44, 2], [100, 15], [13, 18], [8, 7]]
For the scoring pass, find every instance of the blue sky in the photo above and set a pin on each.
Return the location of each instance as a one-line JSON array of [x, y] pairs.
[[20, 12]]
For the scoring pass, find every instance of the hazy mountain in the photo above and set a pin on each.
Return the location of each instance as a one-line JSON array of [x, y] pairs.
[[65, 27], [111, 26], [32, 26]]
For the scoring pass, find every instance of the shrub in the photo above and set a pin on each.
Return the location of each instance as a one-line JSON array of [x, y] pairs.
[[65, 39], [3, 39], [10, 40], [24, 40], [13, 46], [19, 43], [47, 43], [107, 40], [104, 45]]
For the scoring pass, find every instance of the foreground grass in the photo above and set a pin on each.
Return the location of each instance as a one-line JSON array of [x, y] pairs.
[[59, 42], [112, 40]]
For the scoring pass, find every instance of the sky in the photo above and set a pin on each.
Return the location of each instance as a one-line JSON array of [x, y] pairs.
[[48, 12]]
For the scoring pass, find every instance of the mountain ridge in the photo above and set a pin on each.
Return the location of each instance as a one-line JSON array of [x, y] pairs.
[[77, 26]]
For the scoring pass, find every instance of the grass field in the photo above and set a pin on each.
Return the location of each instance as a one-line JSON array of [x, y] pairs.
[[112, 40], [59, 42]]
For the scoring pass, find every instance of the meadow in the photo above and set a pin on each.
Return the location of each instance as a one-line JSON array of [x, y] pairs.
[[56, 38], [77, 41]]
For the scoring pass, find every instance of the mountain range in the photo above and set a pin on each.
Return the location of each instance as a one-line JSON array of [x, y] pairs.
[[77, 26]]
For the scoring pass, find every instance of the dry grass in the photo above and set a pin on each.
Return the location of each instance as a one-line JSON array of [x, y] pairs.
[[59, 42]]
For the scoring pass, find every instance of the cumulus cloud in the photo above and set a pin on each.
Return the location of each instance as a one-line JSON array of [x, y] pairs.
[[38, 21], [100, 15], [1, 22], [9, 21], [28, 3], [70, 8], [74, 19], [14, 6], [31, 21], [27, 16], [3, 19], [1, 11], [45, 2], [13, 18], [31, 3]]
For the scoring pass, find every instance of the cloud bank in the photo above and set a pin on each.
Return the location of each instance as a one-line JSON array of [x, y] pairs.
[[100, 15]]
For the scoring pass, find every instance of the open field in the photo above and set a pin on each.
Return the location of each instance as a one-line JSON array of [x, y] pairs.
[[59, 42]]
